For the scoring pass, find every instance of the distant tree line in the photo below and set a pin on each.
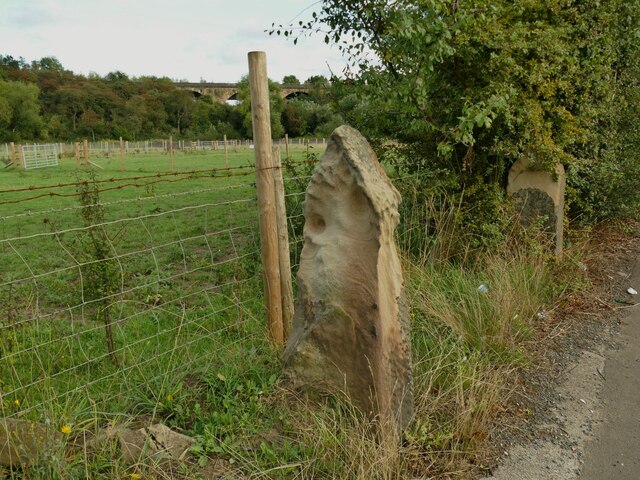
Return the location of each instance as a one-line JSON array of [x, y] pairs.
[[41, 101]]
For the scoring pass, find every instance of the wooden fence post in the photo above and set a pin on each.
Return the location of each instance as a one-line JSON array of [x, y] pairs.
[[226, 154], [286, 147], [266, 198], [76, 149], [20, 156], [286, 287], [121, 154], [87, 163], [171, 152], [14, 157]]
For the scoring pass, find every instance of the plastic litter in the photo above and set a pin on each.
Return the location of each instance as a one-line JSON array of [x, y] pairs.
[[484, 288], [631, 291]]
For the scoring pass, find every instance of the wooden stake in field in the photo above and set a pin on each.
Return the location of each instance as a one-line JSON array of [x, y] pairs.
[[14, 157], [121, 154], [76, 150], [20, 156], [286, 286], [286, 146], [171, 152], [85, 144], [226, 154], [260, 114]]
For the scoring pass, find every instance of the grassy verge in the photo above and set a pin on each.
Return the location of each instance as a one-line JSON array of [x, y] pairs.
[[197, 359], [466, 345]]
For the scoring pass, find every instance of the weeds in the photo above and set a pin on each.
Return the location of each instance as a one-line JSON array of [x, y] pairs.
[[296, 180], [202, 364], [101, 274], [491, 308]]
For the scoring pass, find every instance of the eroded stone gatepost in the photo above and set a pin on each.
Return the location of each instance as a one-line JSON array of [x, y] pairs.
[[351, 323], [539, 193]]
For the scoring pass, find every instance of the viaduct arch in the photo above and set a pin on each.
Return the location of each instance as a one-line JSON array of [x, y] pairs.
[[221, 92]]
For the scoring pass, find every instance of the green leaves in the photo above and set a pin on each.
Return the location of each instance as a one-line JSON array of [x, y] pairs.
[[19, 111], [543, 78]]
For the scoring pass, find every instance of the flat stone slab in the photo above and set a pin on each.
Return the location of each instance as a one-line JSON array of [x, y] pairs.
[[153, 441]]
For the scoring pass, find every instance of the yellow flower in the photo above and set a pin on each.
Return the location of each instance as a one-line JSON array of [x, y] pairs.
[[17, 402], [169, 397], [66, 429], [135, 476]]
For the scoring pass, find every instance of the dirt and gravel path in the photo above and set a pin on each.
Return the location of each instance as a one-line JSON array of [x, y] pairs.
[[587, 424], [614, 450]]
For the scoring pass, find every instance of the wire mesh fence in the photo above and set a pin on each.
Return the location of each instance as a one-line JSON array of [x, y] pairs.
[[116, 288]]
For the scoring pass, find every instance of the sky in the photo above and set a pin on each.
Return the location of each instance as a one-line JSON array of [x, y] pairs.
[[193, 40]]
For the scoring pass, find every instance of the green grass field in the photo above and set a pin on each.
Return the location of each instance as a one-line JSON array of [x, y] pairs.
[[173, 261], [139, 300]]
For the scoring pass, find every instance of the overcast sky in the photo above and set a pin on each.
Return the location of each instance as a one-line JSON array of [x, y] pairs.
[[184, 39]]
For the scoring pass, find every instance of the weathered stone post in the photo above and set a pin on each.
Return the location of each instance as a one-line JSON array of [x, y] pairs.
[[539, 193], [351, 325]]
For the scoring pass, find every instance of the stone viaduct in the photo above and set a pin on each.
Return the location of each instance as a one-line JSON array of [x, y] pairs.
[[221, 92]]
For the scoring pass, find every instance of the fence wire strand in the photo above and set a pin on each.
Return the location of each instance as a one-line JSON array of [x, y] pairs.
[[170, 275], [115, 288]]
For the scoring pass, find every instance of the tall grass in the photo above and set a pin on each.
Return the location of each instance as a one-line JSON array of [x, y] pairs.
[[492, 305], [467, 342], [472, 310]]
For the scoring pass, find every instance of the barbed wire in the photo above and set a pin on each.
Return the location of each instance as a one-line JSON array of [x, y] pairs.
[[250, 167], [124, 179], [125, 201], [119, 187]]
